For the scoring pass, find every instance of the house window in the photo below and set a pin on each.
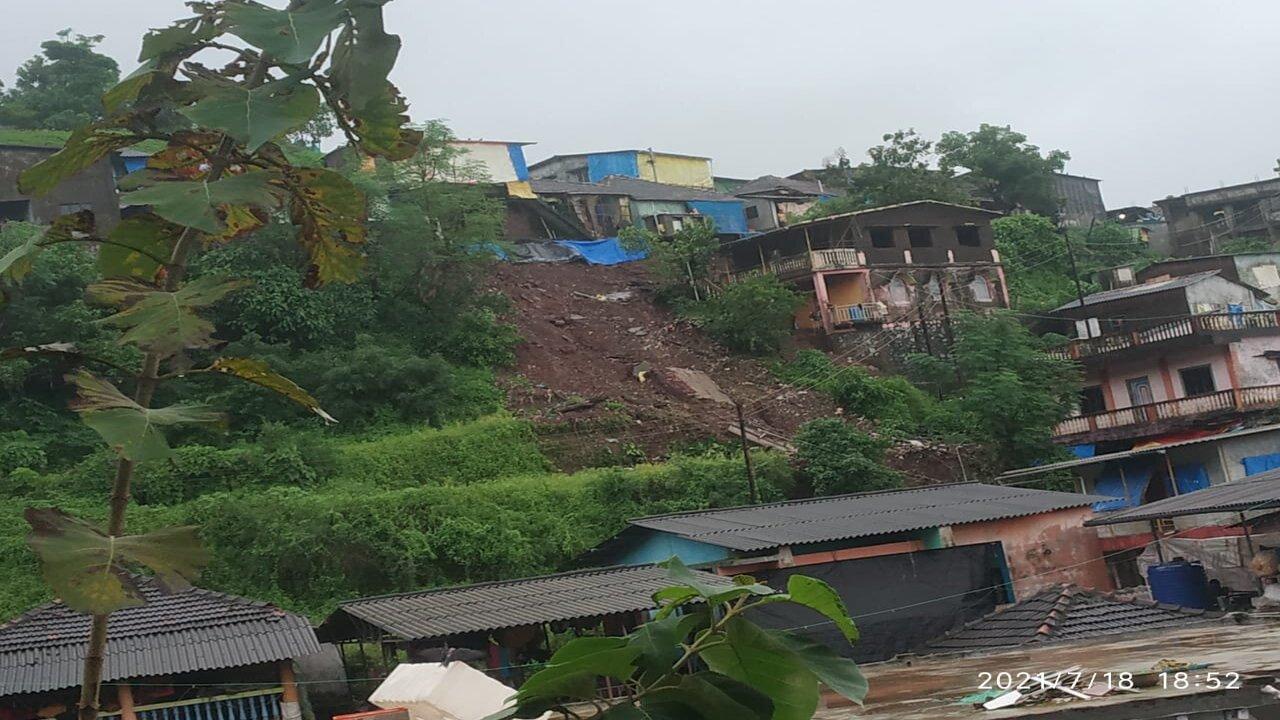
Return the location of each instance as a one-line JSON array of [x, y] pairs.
[[1092, 400], [920, 237], [70, 208], [881, 237], [981, 289], [1140, 391], [899, 294], [968, 235], [935, 290], [15, 210], [753, 212], [1197, 380]]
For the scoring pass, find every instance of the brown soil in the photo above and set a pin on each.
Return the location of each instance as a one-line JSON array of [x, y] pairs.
[[578, 371]]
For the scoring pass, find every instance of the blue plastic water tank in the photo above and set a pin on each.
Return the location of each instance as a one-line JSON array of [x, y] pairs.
[[1179, 583]]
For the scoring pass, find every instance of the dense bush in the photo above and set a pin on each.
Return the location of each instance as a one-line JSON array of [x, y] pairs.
[[752, 316], [891, 400], [835, 457]]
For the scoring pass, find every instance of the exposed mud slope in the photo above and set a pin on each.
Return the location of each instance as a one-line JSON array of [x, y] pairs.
[[597, 360]]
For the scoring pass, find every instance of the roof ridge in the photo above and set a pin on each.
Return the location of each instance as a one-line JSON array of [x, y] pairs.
[[812, 500], [491, 583]]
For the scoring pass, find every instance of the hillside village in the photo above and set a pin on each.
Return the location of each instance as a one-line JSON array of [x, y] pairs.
[[404, 422]]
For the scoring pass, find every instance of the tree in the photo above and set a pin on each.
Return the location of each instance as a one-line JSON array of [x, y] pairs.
[[901, 170], [1010, 392], [221, 176], [1005, 165], [682, 261], [752, 316], [835, 457], [61, 88], [701, 658]]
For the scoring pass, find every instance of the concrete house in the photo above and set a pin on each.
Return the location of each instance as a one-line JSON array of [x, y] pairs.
[[773, 202], [495, 161], [886, 266], [986, 543], [657, 167], [1080, 199], [1200, 222], [93, 189], [1259, 269], [1159, 357]]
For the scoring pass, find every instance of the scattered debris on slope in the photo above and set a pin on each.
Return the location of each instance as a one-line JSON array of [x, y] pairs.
[[605, 370]]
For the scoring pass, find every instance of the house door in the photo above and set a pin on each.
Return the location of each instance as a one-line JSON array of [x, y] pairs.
[[1140, 391]]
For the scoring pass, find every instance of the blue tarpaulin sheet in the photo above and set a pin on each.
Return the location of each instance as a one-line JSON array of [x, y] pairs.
[[602, 165], [730, 216], [1087, 450], [516, 151], [607, 251], [1191, 477], [1261, 463], [1127, 489]]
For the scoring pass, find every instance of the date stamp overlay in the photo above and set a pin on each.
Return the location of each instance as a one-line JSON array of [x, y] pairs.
[[1098, 683]]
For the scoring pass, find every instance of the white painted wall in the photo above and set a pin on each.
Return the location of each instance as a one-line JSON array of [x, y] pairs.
[[495, 158], [1253, 369]]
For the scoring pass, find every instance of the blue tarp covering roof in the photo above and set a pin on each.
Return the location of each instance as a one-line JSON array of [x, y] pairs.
[[602, 165], [730, 216], [1127, 486], [1086, 450], [606, 251], [1191, 477], [1261, 463]]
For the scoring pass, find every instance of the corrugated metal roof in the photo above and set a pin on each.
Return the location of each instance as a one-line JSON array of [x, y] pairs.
[[187, 631], [1124, 454], [843, 517], [1065, 613], [512, 603], [768, 184], [1131, 291], [1260, 492], [661, 192], [566, 187]]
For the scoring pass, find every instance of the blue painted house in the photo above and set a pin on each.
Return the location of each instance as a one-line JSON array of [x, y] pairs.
[[658, 167]]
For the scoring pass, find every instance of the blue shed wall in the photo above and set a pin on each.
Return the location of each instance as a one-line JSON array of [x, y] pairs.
[[602, 165], [658, 547], [730, 216]]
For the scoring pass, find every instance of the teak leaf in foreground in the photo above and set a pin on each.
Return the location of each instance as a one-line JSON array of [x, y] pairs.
[[254, 116], [85, 147], [94, 572], [751, 656], [330, 214], [137, 247], [160, 321], [196, 203], [821, 597], [130, 429], [259, 373], [290, 36]]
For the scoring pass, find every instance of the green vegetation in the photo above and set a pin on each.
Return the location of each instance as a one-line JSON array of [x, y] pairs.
[[306, 520], [59, 89], [901, 170], [1006, 167], [834, 457], [1036, 264], [751, 316]]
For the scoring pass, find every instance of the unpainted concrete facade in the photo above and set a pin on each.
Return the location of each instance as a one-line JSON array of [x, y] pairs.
[[93, 189]]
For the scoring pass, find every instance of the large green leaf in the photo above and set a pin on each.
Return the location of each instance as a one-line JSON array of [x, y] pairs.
[[821, 597], [137, 247], [362, 59], [18, 262], [838, 672], [126, 91], [260, 373], [160, 321], [329, 212], [751, 656], [196, 203], [182, 36], [94, 572], [683, 577], [130, 429], [381, 126], [711, 696], [572, 670], [254, 116], [289, 36], [659, 642], [85, 147]]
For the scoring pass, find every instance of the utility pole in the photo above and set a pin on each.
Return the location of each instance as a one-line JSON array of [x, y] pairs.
[[946, 312], [746, 454], [924, 327], [1071, 258]]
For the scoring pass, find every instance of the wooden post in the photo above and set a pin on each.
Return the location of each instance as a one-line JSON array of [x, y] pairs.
[[746, 454], [288, 682], [1155, 536], [1173, 478], [1248, 539], [124, 694]]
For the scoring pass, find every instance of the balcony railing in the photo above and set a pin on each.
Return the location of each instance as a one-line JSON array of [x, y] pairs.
[[804, 263], [1250, 398], [844, 315], [1182, 327], [255, 705]]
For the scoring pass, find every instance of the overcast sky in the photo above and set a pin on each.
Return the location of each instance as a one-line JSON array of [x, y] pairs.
[[1153, 97]]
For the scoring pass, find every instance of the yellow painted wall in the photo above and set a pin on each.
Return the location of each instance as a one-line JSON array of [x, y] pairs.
[[805, 314], [850, 289], [675, 170]]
